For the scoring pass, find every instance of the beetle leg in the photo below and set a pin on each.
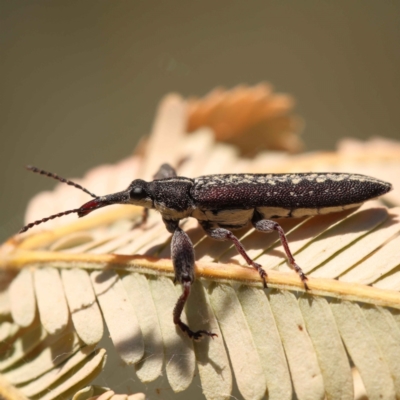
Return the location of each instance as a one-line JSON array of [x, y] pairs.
[[224, 234], [265, 225], [183, 260], [165, 171]]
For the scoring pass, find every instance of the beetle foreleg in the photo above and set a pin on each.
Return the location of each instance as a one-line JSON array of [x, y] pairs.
[[264, 225], [165, 171], [183, 260], [224, 234], [182, 256]]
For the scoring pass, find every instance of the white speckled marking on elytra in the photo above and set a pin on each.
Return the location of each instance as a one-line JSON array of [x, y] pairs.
[[310, 177], [273, 179], [336, 178]]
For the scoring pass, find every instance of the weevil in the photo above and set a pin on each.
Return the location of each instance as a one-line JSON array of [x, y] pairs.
[[225, 202]]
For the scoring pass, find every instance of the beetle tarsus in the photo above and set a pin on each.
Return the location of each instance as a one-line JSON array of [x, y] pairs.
[[198, 335], [262, 272], [302, 275], [178, 312]]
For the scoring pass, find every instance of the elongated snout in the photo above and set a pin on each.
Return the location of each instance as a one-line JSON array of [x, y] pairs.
[[99, 202]]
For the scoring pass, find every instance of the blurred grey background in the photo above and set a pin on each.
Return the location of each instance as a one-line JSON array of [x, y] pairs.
[[80, 80]]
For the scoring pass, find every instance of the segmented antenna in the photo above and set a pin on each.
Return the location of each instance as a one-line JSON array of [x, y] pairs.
[[61, 214], [58, 178], [40, 221]]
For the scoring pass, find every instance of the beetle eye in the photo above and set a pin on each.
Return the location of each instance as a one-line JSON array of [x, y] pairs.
[[137, 193]]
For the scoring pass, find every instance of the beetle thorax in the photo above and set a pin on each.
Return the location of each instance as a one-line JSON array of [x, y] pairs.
[[171, 197]]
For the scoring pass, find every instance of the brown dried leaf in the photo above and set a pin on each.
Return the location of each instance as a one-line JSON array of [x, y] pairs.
[[251, 118]]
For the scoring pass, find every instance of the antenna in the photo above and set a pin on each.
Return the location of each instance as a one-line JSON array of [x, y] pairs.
[[98, 202], [40, 221], [82, 211], [58, 178]]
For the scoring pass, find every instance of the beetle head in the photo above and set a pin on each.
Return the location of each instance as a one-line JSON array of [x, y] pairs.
[[137, 194]]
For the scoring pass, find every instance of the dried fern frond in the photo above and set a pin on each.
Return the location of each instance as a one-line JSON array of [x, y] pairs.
[[251, 118], [102, 393], [103, 282]]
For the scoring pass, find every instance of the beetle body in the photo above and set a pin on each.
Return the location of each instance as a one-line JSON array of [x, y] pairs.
[[232, 199], [222, 203]]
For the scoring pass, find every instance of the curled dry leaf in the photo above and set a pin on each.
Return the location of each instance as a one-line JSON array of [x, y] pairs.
[[251, 118], [278, 341]]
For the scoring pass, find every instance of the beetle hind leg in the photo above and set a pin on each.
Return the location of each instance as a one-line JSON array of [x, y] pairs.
[[265, 225]]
